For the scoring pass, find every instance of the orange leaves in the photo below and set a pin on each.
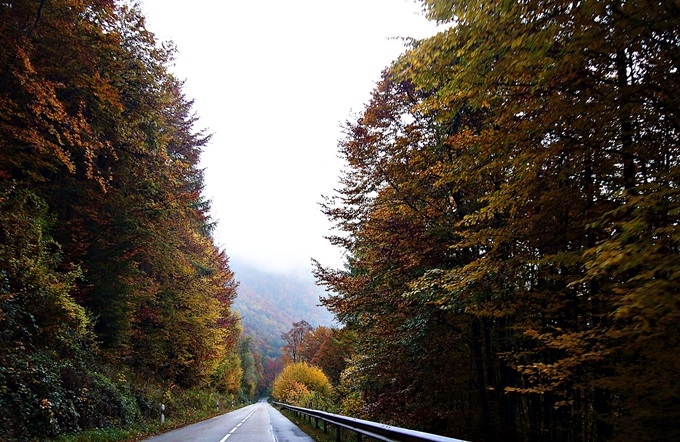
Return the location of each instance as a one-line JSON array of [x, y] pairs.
[[56, 130], [47, 116]]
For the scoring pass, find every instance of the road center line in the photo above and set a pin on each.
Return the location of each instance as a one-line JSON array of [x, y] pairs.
[[238, 425]]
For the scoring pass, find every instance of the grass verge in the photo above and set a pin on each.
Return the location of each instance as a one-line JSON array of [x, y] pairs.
[[318, 434], [143, 429]]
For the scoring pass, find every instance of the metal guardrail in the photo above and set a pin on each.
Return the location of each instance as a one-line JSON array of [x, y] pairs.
[[370, 429]]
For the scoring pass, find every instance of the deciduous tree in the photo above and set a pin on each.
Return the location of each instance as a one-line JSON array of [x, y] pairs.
[[98, 132], [294, 340], [303, 385], [509, 198]]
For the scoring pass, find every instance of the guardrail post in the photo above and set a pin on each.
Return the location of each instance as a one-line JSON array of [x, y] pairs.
[[337, 433]]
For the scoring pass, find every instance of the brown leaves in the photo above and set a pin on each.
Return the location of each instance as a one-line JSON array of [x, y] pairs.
[[522, 189]]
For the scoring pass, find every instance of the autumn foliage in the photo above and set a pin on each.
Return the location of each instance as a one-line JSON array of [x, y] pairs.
[[303, 385], [510, 210], [323, 347], [107, 263]]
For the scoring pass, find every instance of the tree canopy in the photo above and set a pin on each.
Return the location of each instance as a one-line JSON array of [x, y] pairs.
[[510, 209], [106, 254]]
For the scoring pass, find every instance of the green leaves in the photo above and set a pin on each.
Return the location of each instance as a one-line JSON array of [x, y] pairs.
[[40, 323]]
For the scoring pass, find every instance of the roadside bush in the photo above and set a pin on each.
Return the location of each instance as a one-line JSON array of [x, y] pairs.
[[33, 401], [45, 336], [303, 385]]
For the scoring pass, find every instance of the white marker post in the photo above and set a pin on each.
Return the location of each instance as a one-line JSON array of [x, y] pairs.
[[162, 413]]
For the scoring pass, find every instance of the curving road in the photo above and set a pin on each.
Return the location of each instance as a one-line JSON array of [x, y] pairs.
[[259, 422]]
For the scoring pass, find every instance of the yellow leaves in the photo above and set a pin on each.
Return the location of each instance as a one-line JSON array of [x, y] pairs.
[[580, 344], [573, 352], [299, 382], [229, 374]]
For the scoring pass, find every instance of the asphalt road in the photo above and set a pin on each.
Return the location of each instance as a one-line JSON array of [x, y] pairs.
[[259, 422]]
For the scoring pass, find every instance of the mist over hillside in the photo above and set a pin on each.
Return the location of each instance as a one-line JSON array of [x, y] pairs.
[[269, 302]]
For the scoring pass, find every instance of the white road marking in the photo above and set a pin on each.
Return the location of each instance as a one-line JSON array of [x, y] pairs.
[[271, 428], [238, 425]]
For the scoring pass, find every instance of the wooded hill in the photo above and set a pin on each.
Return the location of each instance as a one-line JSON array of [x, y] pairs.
[[269, 302], [511, 207]]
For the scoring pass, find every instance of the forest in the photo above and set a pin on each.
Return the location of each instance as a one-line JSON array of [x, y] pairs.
[[114, 298], [509, 207]]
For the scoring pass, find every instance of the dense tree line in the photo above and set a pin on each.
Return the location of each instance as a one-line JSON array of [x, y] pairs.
[[106, 254], [311, 367], [323, 347], [510, 207]]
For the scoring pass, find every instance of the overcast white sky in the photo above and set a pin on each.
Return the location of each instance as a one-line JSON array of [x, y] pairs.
[[273, 80]]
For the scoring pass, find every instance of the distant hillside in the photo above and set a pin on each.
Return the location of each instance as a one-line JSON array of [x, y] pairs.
[[270, 302]]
